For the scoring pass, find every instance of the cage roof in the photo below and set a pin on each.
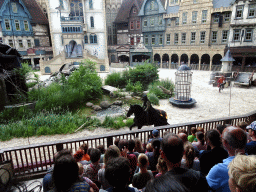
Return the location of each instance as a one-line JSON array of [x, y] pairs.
[[184, 67]]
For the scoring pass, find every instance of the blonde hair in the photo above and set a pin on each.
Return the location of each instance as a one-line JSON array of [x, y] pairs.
[[80, 168], [149, 147], [143, 160], [161, 165], [242, 169], [200, 129], [189, 154]]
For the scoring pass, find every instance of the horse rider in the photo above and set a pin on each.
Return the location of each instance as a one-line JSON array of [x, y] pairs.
[[146, 107], [221, 82]]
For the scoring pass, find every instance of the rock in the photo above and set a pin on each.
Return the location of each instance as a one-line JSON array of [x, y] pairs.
[[104, 104], [112, 94], [119, 103], [96, 108], [128, 97], [145, 92], [89, 104]]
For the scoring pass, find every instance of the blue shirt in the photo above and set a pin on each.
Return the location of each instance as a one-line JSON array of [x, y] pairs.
[[217, 177]]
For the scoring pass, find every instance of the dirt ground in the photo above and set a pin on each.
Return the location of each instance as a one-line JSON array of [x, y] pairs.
[[210, 105]]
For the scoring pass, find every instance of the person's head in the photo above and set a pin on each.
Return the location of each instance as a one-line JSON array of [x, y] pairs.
[[156, 144], [193, 130], [101, 148], [89, 151], [200, 129], [183, 131], [123, 143], [234, 139], [142, 160], [117, 172], [166, 133], [200, 137], [84, 147], [111, 152], [62, 152], [252, 129], [80, 168], [189, 153], [149, 147], [161, 165], [165, 183], [183, 137], [220, 128], [213, 138], [172, 149], [95, 155], [116, 142], [131, 145], [138, 145], [155, 133], [65, 173], [242, 173], [242, 125], [79, 155]]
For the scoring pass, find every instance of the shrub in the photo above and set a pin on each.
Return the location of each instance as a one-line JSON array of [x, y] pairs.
[[136, 87], [115, 80], [153, 99], [154, 88]]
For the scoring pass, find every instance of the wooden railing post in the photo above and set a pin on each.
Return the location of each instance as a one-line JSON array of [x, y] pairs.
[[109, 141], [59, 146], [1, 156], [189, 129]]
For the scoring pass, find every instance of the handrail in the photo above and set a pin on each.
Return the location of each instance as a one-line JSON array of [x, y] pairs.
[[36, 159]]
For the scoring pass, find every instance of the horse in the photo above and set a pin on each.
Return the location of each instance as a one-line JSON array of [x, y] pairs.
[[156, 117]]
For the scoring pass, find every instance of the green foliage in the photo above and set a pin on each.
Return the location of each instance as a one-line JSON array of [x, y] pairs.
[[115, 80], [129, 122], [155, 89], [113, 122], [24, 70], [153, 99], [167, 84], [134, 87]]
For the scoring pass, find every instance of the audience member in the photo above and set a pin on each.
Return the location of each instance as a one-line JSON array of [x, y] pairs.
[[183, 137], [188, 160], [155, 134], [65, 176], [111, 152], [242, 173], [153, 156], [140, 179], [131, 146], [220, 128], [192, 137], [91, 170], [182, 131], [149, 147], [161, 167], [79, 155], [118, 174], [200, 129], [138, 146], [116, 142], [250, 148], [102, 151], [172, 152], [84, 147], [86, 179], [200, 143], [243, 125], [215, 155], [166, 133], [234, 141]]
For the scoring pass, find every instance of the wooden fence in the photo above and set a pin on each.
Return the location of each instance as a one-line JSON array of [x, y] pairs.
[[34, 160]]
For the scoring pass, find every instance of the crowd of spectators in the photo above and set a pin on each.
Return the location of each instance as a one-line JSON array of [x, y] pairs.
[[222, 159]]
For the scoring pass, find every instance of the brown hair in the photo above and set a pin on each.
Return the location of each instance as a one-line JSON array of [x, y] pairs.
[[161, 165], [200, 129], [111, 152], [138, 146], [143, 160], [189, 154], [79, 155]]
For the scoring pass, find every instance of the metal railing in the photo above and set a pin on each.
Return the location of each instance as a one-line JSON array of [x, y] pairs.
[[28, 161]]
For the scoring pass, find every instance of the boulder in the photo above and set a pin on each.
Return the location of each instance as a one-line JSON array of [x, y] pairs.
[[128, 97], [118, 102], [89, 104], [104, 104], [96, 108]]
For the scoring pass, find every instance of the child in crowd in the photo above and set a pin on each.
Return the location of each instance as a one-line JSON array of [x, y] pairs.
[[161, 167], [149, 148], [140, 179], [188, 160], [84, 147], [193, 136], [200, 144], [86, 179], [138, 146]]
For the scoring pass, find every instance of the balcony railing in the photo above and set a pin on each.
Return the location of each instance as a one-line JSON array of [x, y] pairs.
[[72, 18]]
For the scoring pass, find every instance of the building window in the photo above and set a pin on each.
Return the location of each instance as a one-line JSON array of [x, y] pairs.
[[252, 11], [224, 36], [132, 41], [26, 26], [236, 35], [248, 35], [176, 39], [86, 39], [93, 38], [216, 19], [153, 40], [184, 18], [17, 25], [37, 42], [138, 24], [138, 40], [177, 21], [152, 21], [160, 39], [10, 41], [152, 5], [160, 22], [202, 37], [145, 23], [183, 38], [193, 37], [168, 39], [20, 43], [146, 40], [239, 12], [7, 24], [90, 4], [227, 16], [204, 16], [214, 37], [14, 8], [169, 22], [92, 22], [29, 43], [194, 16], [174, 1], [76, 8], [132, 25]]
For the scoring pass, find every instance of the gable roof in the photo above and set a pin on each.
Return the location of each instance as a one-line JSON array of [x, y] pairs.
[[124, 11], [34, 10], [172, 9], [222, 3], [161, 4]]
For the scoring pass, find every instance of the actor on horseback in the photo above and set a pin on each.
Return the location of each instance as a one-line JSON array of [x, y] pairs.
[[146, 107]]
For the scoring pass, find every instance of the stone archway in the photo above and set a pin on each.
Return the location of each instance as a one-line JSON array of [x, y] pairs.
[[157, 59], [165, 60], [174, 61], [184, 59], [216, 62], [205, 62], [194, 62]]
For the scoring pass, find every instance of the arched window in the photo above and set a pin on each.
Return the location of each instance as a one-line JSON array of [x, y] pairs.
[[86, 38], [92, 22], [76, 8], [93, 38], [90, 4]]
